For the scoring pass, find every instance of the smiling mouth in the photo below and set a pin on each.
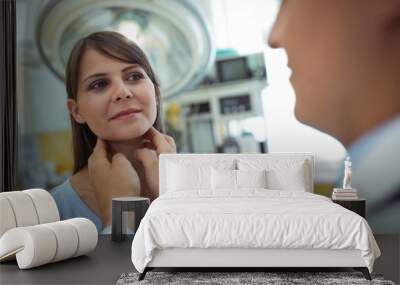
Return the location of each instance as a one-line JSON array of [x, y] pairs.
[[126, 114]]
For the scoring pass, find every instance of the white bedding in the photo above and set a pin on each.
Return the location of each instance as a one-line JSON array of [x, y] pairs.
[[252, 218]]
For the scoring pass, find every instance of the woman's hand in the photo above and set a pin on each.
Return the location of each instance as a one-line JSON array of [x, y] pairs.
[[111, 179], [154, 143]]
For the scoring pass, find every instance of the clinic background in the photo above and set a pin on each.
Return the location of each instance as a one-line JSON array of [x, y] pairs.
[[224, 90]]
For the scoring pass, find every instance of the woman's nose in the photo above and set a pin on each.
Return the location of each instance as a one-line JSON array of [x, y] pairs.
[[121, 91]]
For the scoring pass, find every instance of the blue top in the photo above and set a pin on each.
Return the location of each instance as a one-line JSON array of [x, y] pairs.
[[71, 206]]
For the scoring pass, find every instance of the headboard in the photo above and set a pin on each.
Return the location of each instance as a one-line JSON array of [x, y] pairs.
[[216, 158]]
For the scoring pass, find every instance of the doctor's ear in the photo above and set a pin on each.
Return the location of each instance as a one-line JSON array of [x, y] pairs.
[[73, 110]]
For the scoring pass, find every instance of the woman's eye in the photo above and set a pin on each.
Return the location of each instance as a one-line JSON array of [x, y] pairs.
[[135, 76], [98, 84]]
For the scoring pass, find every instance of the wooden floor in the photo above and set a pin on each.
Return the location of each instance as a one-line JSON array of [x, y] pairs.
[[389, 262]]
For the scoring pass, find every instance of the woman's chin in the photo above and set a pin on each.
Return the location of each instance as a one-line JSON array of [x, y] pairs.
[[131, 133]]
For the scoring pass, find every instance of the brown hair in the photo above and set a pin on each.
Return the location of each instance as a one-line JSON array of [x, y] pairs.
[[113, 45]]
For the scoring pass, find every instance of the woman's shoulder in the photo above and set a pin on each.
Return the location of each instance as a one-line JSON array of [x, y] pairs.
[[67, 190], [63, 194], [62, 189], [70, 205]]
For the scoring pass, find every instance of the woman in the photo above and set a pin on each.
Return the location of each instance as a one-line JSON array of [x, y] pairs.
[[114, 103]]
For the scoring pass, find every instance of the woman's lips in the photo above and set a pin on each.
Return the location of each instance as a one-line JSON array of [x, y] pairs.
[[125, 114]]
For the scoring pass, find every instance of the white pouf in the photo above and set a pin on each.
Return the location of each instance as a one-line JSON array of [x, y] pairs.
[[31, 232]]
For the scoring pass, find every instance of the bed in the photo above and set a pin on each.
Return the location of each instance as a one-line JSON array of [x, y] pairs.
[[245, 211]]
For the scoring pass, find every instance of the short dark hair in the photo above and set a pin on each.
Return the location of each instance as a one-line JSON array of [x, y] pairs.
[[113, 45]]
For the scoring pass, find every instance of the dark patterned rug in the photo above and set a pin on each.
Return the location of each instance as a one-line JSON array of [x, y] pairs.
[[228, 278]]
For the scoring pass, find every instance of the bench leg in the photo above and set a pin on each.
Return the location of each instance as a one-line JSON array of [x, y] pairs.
[[364, 271]]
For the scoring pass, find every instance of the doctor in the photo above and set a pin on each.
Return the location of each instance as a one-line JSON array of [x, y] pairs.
[[345, 61]]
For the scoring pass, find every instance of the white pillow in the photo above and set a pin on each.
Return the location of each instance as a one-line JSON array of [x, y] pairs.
[[226, 179], [223, 179], [288, 179], [251, 178], [181, 177], [282, 174]]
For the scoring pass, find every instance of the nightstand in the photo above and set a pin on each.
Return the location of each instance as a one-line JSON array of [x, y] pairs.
[[120, 205], [357, 206]]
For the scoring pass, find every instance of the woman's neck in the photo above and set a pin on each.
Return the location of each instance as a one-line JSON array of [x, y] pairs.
[[127, 149]]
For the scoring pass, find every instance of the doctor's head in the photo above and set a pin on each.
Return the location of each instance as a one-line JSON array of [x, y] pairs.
[[345, 58], [112, 92]]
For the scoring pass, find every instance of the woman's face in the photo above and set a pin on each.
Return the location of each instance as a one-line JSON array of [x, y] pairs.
[[108, 87]]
